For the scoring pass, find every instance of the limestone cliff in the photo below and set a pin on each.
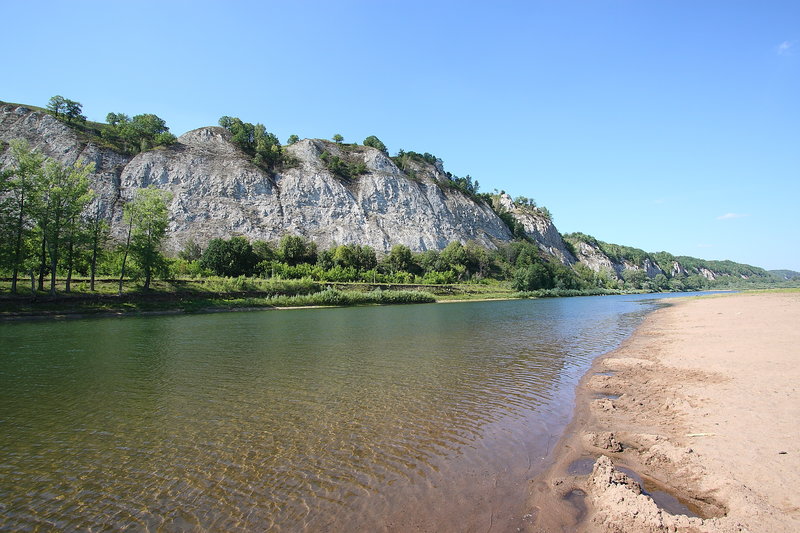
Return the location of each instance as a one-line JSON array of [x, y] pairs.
[[592, 255], [218, 192], [539, 228]]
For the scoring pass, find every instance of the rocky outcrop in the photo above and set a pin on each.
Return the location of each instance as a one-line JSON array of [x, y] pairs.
[[218, 192], [594, 258], [538, 226], [58, 141]]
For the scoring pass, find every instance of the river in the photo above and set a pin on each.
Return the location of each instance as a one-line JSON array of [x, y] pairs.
[[427, 417]]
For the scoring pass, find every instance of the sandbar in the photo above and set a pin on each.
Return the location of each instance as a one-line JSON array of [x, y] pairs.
[[699, 409]]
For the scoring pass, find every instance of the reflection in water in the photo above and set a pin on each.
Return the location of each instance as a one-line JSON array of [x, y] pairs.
[[364, 418]]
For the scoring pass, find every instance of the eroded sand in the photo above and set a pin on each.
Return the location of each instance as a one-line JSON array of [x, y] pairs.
[[708, 411]]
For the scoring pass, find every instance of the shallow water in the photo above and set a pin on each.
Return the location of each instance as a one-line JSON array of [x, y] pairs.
[[372, 418]]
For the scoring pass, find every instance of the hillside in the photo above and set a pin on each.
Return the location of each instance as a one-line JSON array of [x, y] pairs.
[[335, 194], [676, 272]]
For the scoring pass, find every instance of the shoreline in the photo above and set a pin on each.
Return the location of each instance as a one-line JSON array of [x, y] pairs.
[[697, 411], [140, 307]]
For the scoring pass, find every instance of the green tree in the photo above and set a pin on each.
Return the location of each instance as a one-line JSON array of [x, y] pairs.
[[99, 233], [360, 258], [661, 282], [478, 260], [147, 217], [634, 278], [294, 250], [255, 140], [399, 259], [234, 257], [338, 138], [140, 133], [57, 105], [65, 109], [374, 142], [18, 201], [453, 256], [65, 193], [292, 139], [532, 277], [265, 251], [191, 251]]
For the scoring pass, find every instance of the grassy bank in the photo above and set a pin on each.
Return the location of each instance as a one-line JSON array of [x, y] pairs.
[[213, 294], [220, 294]]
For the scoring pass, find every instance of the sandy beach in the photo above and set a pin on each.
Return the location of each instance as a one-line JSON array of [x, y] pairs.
[[692, 425]]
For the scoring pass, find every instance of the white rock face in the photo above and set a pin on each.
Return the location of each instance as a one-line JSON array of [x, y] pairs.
[[540, 228], [60, 142], [594, 258], [218, 192], [678, 270]]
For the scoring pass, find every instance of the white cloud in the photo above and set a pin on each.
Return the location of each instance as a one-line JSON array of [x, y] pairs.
[[731, 216], [785, 47]]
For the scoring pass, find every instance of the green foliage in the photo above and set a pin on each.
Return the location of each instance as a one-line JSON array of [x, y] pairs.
[[256, 141], [374, 142], [465, 184], [532, 277], [351, 256], [516, 229], [65, 109], [333, 297], [399, 259], [525, 202], [292, 139], [545, 213], [183, 268], [19, 201], [342, 168], [139, 134], [406, 161], [338, 138], [264, 251], [294, 250], [147, 218], [64, 193], [191, 251], [233, 257], [634, 278]]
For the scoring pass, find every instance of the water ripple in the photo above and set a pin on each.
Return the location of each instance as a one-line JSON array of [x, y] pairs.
[[287, 420]]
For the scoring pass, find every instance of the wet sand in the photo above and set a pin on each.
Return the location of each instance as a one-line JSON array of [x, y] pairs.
[[701, 406]]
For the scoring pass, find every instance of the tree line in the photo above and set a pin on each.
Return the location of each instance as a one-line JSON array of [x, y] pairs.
[[518, 263], [48, 229]]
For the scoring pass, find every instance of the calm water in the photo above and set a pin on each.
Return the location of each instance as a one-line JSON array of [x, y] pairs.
[[374, 418]]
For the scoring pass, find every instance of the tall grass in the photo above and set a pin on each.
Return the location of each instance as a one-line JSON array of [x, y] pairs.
[[555, 293], [334, 297]]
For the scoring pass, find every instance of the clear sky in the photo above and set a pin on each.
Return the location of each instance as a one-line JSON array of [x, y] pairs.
[[665, 125]]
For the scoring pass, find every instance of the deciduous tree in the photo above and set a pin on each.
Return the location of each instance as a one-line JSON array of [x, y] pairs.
[[64, 193], [18, 198], [147, 217], [374, 142]]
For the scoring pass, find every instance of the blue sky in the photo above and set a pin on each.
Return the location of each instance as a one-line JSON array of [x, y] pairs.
[[662, 125]]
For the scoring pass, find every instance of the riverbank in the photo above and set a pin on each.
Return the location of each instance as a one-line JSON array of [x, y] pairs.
[[701, 406], [247, 294]]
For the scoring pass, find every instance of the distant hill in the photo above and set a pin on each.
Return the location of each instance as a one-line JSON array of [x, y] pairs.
[[784, 275]]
